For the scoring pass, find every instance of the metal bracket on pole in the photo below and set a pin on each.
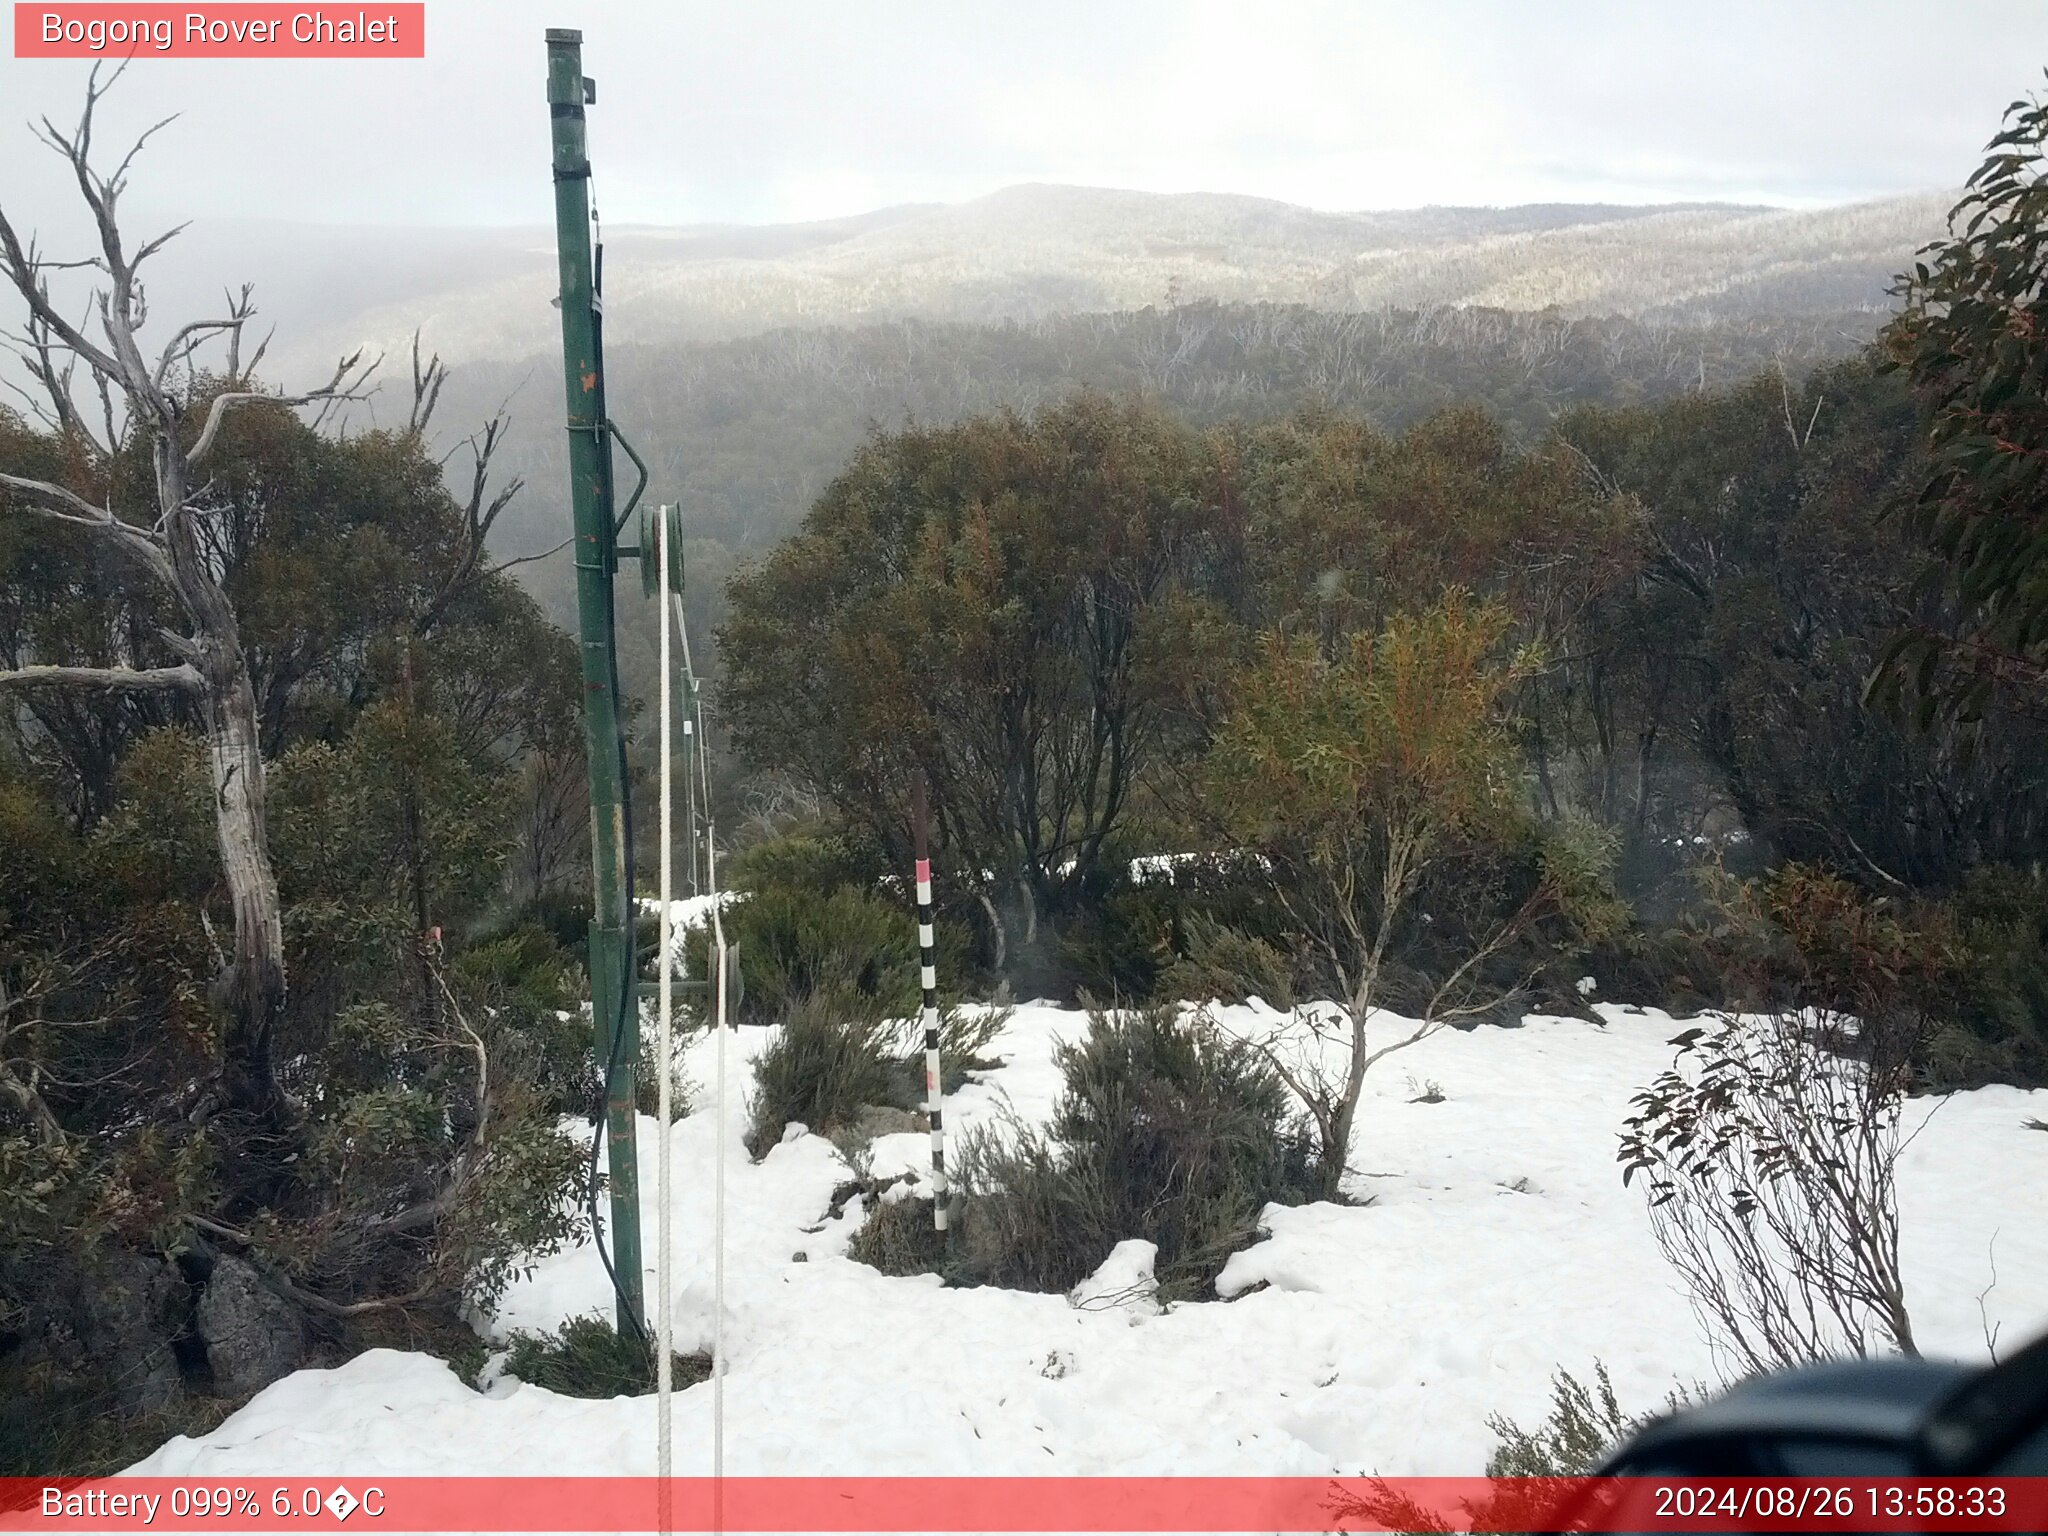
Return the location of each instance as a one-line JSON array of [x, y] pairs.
[[639, 465]]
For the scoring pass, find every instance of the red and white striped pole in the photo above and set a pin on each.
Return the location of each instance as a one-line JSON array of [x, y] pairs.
[[928, 976]]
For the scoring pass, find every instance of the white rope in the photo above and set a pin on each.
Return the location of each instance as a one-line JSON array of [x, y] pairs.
[[721, 963], [718, 1208], [664, 1330]]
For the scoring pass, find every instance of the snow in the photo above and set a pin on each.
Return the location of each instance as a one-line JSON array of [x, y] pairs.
[[684, 914], [1123, 1280], [1498, 1244]]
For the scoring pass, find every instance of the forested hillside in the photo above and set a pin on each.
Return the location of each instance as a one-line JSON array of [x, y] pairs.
[[1034, 252], [745, 434]]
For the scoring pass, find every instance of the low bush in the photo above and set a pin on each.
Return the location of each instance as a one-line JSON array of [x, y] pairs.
[[1530, 1466], [1115, 942], [1167, 1130], [530, 987], [1583, 1424], [964, 1034], [844, 943], [647, 1080], [898, 1239], [1998, 1032], [829, 1060], [1226, 965], [1153, 939], [815, 856], [591, 1358], [53, 1426]]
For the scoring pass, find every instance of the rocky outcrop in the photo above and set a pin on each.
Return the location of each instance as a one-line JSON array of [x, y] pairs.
[[253, 1335]]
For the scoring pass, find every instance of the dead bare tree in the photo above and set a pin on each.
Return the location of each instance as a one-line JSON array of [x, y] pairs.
[[481, 507], [152, 402]]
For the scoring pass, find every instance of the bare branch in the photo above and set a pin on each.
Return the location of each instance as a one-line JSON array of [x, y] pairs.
[[426, 388], [48, 1129], [245, 307], [56, 499], [59, 505], [136, 679], [1991, 1329], [546, 554], [303, 1297], [340, 387], [120, 313], [151, 247], [478, 516], [25, 272], [61, 415], [106, 389], [118, 182], [190, 338]]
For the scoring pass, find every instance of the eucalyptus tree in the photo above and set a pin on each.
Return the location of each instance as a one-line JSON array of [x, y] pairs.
[[165, 409]]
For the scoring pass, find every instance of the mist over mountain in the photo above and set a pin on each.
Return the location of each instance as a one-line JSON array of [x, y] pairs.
[[1028, 252]]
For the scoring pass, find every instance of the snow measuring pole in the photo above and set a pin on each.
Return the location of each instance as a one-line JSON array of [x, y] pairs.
[[615, 1009]]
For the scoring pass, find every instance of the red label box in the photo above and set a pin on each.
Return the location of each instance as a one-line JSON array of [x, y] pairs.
[[231, 31]]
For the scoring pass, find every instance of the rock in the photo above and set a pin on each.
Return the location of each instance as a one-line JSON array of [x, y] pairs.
[[129, 1310], [253, 1335]]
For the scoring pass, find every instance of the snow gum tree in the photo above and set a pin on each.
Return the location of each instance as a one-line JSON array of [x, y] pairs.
[[158, 524], [1970, 338], [1358, 773], [981, 602]]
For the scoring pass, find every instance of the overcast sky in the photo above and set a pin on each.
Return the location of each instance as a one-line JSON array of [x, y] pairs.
[[772, 110]]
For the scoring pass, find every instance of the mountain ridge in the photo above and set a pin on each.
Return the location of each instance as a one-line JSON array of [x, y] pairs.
[[1037, 249]]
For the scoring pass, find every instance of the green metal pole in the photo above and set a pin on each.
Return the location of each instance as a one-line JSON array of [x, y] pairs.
[[615, 1011]]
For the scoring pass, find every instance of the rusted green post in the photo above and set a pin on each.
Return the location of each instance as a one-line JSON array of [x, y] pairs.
[[615, 1010]]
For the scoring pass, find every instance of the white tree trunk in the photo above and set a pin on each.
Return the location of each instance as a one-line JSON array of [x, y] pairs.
[[253, 988]]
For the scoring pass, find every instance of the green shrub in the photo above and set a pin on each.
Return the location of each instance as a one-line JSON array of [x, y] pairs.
[[1225, 964], [812, 857], [898, 1238], [1583, 1423], [846, 943], [824, 1066], [1167, 1130], [1999, 1030], [529, 987], [523, 1204], [1530, 1466], [591, 1358], [563, 913]]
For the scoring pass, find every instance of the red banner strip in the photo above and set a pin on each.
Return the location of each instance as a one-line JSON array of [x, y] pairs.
[[378, 30], [1015, 1504]]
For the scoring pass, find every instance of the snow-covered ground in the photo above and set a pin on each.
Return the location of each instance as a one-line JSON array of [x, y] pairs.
[[1498, 1245]]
